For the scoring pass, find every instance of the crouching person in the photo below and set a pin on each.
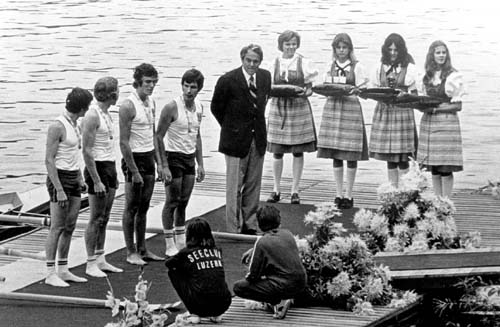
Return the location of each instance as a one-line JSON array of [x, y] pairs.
[[197, 274], [276, 274]]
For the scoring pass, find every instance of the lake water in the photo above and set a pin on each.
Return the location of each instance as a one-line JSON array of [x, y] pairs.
[[48, 47]]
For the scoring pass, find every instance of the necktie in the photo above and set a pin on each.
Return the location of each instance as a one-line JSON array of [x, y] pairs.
[[253, 91]]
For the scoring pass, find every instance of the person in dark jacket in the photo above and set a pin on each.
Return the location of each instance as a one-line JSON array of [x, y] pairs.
[[276, 274], [197, 274], [238, 104]]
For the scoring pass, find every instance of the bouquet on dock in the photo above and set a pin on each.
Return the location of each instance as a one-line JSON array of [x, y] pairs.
[[137, 311], [340, 269], [491, 187], [412, 218]]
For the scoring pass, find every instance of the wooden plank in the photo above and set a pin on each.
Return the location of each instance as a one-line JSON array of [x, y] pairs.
[[238, 315], [440, 259]]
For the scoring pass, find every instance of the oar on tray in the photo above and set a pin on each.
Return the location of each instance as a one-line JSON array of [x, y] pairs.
[[73, 301]]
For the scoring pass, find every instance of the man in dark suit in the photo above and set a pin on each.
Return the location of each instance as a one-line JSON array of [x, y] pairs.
[[238, 104]]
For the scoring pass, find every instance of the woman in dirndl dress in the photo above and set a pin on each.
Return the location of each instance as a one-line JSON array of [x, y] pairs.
[[440, 148], [290, 123], [342, 134], [393, 136]]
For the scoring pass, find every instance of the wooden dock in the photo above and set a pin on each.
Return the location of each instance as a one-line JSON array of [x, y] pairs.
[[474, 212]]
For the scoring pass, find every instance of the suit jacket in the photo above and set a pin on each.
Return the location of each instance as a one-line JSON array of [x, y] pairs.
[[239, 120]]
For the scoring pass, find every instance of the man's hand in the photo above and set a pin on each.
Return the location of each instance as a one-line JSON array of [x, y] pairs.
[[165, 175], [200, 176], [137, 179], [62, 199], [84, 188], [100, 189]]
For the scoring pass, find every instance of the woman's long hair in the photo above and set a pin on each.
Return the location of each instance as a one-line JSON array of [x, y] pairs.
[[345, 38], [404, 58], [431, 66], [199, 233]]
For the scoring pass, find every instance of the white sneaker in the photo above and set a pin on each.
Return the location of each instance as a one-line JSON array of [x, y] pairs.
[[54, 280], [171, 249]]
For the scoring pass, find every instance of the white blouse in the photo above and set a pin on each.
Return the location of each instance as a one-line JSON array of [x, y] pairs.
[[410, 77], [360, 77], [454, 86], [310, 72]]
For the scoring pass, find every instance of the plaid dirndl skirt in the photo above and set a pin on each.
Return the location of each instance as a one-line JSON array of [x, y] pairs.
[[394, 135], [441, 142], [342, 133], [290, 121]]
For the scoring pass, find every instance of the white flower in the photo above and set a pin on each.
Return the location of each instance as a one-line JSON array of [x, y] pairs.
[[495, 192], [380, 225], [302, 244], [339, 285], [336, 229], [337, 245], [419, 243], [401, 230], [386, 189], [471, 240], [445, 207], [428, 196], [415, 179], [112, 303], [423, 226], [373, 288], [323, 212], [411, 212], [363, 308], [159, 320], [393, 245], [362, 219], [406, 298], [384, 272]]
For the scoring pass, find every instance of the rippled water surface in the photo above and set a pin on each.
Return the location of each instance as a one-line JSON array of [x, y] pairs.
[[47, 47]]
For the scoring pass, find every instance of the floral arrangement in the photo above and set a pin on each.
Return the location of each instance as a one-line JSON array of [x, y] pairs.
[[411, 218], [340, 269], [477, 302], [491, 187], [137, 312]]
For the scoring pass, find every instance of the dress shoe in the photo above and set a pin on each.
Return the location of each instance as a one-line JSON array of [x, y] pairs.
[[347, 203], [338, 201], [274, 197]]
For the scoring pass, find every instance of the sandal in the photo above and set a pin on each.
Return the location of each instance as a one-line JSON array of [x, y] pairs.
[[281, 309]]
